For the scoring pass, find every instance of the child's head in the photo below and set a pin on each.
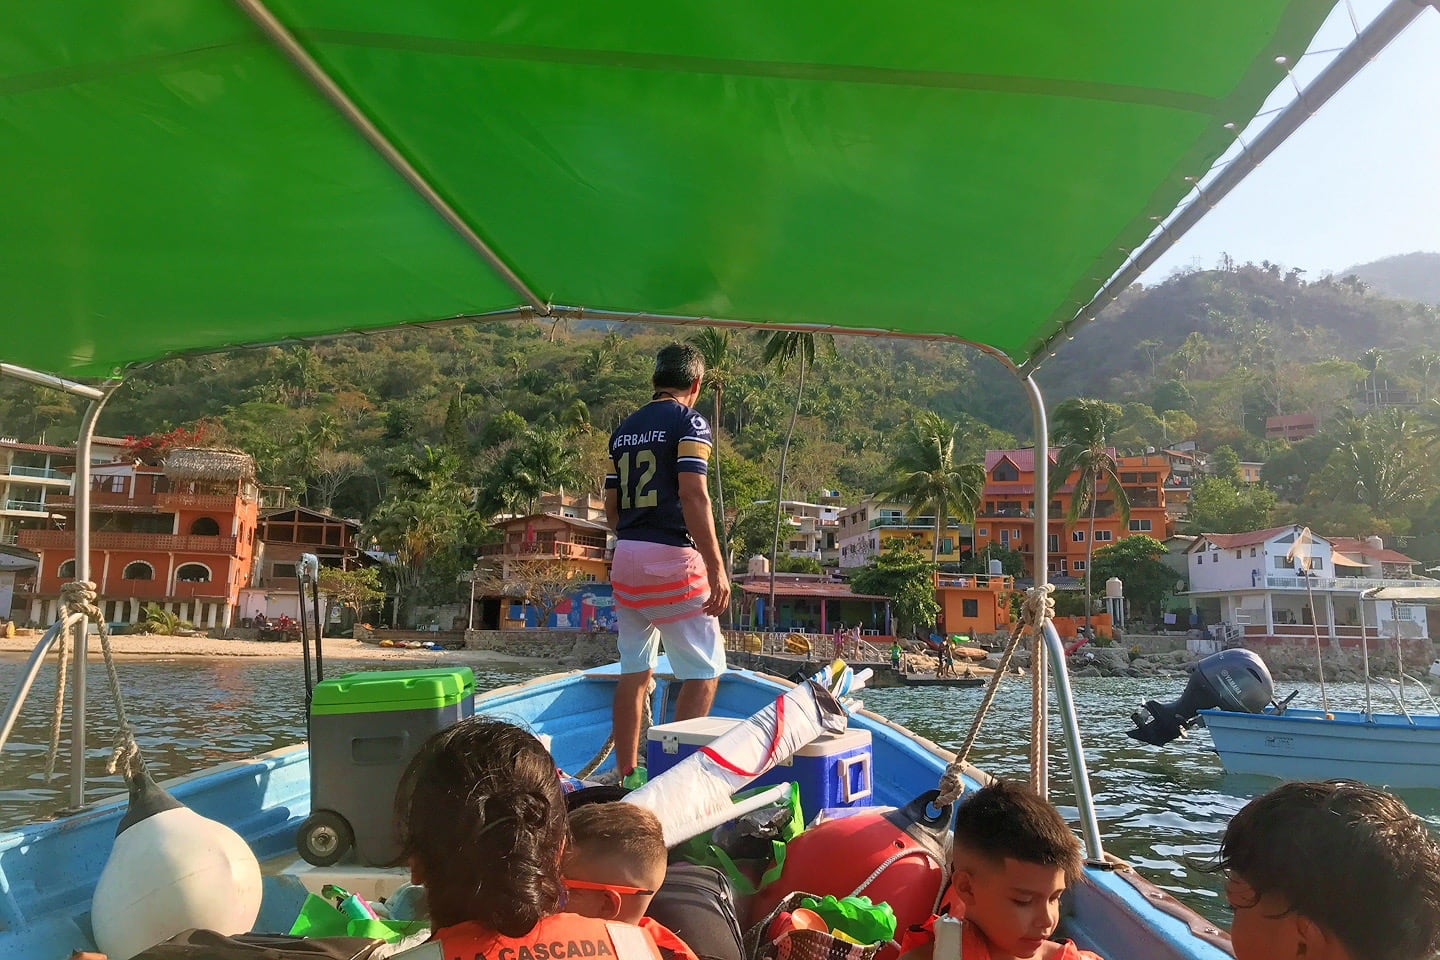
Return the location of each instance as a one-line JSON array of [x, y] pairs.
[[1014, 857], [615, 862], [481, 820], [1331, 870]]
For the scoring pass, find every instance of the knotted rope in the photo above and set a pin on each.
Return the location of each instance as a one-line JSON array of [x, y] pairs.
[[79, 597], [647, 709], [1038, 607]]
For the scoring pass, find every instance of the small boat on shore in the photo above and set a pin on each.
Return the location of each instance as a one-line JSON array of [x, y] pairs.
[[922, 680]]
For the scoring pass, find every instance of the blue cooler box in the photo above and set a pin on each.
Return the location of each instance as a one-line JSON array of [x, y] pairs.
[[834, 771]]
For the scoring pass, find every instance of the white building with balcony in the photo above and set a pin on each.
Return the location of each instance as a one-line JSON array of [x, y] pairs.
[[809, 530], [31, 474], [1255, 584]]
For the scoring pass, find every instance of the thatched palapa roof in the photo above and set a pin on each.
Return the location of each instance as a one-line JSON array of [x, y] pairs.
[[211, 463]]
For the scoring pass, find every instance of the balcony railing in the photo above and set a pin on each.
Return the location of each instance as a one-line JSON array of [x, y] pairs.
[[142, 542], [1341, 583], [201, 501], [29, 506], [559, 548], [107, 498], [980, 581], [196, 589], [40, 473]]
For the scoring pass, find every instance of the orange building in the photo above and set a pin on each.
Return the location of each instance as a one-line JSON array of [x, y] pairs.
[[1007, 516], [578, 545], [973, 604], [181, 536]]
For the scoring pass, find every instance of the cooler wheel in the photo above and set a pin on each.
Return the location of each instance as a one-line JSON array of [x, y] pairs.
[[324, 838]]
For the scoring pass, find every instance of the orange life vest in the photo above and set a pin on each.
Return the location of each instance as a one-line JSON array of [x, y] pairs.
[[563, 936]]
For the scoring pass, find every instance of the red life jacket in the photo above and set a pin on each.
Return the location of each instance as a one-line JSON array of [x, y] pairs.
[[563, 936]]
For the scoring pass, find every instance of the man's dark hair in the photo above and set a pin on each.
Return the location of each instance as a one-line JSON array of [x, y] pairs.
[[1349, 858], [678, 367], [1010, 820]]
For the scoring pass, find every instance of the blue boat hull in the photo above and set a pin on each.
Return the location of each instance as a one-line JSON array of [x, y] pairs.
[[1387, 750], [48, 871]]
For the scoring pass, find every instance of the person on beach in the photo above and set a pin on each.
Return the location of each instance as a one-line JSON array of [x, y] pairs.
[[668, 575], [1014, 857], [615, 863], [483, 826], [1331, 871]]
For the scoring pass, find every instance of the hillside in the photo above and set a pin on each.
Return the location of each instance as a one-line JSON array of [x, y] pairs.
[[1409, 276]]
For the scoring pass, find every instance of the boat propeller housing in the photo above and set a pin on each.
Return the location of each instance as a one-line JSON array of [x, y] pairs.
[[1234, 680]]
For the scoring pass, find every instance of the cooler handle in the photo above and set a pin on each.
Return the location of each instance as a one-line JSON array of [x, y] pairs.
[[848, 793]]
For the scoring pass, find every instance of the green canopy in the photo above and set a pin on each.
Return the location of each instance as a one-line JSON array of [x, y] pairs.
[[170, 181]]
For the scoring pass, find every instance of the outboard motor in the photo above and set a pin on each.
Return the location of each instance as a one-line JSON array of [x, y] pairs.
[[1234, 680]]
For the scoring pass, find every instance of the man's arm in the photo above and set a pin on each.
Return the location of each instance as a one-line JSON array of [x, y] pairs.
[[612, 508], [700, 521]]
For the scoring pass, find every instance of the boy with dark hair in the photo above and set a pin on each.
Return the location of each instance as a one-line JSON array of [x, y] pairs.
[[615, 862], [1014, 856], [1331, 871]]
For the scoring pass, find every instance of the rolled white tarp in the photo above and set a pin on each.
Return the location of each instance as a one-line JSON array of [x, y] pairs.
[[690, 796]]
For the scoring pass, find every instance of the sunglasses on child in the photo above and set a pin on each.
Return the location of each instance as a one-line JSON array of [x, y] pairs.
[[621, 889]]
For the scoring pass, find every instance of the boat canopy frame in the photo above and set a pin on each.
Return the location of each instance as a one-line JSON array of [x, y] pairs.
[[1346, 64]]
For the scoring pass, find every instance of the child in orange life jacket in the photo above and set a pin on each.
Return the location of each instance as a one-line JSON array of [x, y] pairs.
[[482, 824], [1331, 871], [614, 864], [1014, 857]]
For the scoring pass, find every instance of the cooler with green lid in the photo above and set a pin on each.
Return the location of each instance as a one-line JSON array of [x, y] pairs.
[[364, 728]]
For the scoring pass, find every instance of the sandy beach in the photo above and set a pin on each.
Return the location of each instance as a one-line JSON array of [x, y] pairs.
[[146, 645]]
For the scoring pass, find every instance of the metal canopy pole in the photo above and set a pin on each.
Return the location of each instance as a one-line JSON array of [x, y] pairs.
[[1042, 575], [82, 572], [1050, 644], [281, 36], [1388, 25]]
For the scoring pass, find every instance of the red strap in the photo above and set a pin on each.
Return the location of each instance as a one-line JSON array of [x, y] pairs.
[[769, 754]]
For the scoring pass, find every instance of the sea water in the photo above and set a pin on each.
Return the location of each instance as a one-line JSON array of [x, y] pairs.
[[1162, 809]]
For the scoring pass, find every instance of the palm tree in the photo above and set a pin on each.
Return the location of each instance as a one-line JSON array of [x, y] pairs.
[[714, 346], [783, 348], [928, 478], [1083, 428]]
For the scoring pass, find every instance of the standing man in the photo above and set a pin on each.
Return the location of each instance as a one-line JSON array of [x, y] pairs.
[[669, 578]]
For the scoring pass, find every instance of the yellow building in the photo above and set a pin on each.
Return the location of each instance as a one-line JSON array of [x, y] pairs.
[[866, 530]]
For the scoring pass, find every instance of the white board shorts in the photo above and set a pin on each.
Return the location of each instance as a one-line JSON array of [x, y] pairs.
[[660, 593]]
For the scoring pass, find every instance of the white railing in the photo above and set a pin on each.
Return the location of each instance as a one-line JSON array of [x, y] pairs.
[[31, 506], [1341, 583], [44, 473]]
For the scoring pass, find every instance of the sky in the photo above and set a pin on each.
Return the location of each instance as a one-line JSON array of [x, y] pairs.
[[1359, 181]]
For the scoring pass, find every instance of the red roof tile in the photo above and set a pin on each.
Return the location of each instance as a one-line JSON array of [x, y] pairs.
[[1228, 541], [1355, 547]]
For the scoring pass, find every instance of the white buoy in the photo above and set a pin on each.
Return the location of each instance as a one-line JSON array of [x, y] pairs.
[[171, 870]]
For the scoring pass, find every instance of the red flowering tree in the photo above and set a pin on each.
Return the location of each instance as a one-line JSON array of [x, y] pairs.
[[152, 449]]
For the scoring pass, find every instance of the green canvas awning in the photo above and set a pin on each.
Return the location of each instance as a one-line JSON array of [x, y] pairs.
[[171, 182]]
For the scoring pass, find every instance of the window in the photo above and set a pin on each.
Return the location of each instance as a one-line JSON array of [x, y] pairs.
[[982, 531], [1318, 563], [1005, 472], [1077, 536], [1064, 566], [1015, 534], [1252, 551], [947, 545], [1004, 537], [1104, 536], [205, 527], [1283, 564], [970, 609], [193, 573], [1054, 543], [1128, 478], [67, 569], [1199, 559], [283, 571], [139, 570], [1079, 565], [1149, 478], [1139, 526], [1237, 554]]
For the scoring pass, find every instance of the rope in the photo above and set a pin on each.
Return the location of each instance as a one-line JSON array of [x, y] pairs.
[[646, 712], [1038, 607], [80, 597], [1037, 710], [62, 653]]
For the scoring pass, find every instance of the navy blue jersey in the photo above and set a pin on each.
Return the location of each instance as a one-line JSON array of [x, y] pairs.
[[648, 452]]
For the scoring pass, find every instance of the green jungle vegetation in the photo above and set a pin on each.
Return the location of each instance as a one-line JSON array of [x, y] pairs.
[[424, 434]]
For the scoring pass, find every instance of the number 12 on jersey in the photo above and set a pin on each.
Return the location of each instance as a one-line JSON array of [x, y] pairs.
[[643, 494]]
